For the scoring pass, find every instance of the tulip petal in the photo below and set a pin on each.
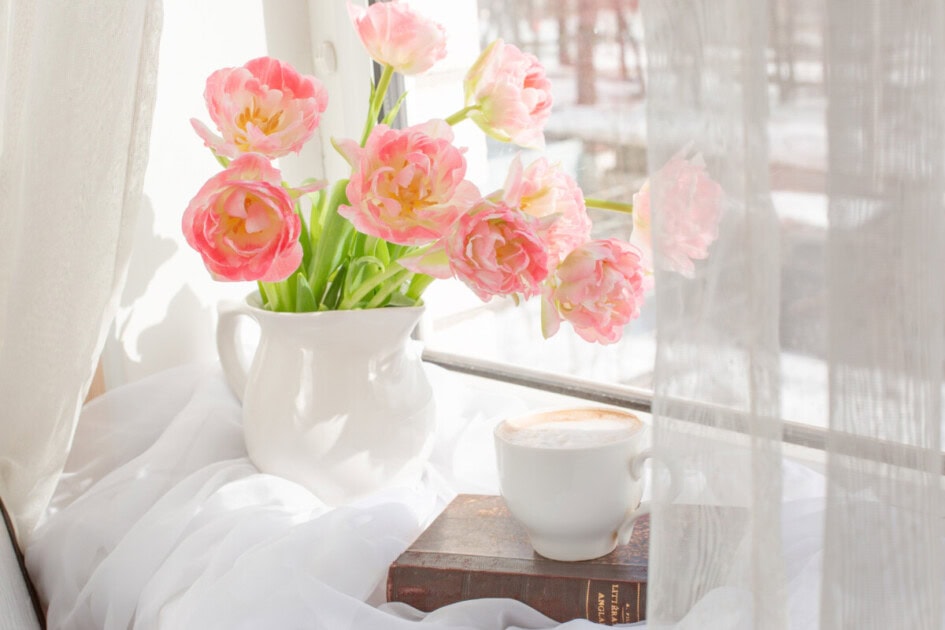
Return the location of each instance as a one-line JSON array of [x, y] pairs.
[[432, 262], [284, 265], [211, 140], [309, 186], [550, 319], [348, 149]]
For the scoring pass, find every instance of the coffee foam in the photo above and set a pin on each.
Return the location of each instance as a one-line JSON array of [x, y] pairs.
[[570, 428]]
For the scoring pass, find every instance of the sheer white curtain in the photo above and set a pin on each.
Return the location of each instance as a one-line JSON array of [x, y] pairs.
[[75, 107], [837, 286]]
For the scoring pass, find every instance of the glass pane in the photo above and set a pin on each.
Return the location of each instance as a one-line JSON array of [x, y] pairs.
[[597, 133]]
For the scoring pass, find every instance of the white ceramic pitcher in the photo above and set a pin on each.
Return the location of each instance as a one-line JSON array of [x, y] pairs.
[[335, 400]]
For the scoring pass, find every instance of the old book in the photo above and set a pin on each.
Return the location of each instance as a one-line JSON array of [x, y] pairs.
[[476, 549]]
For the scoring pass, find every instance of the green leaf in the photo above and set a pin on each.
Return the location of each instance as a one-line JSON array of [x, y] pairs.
[[358, 245], [221, 159], [286, 291], [399, 299], [304, 298], [332, 243], [270, 295], [396, 251], [318, 210], [391, 284], [315, 226], [378, 248], [360, 270], [359, 264], [276, 296], [304, 239], [393, 110], [373, 92], [333, 295]]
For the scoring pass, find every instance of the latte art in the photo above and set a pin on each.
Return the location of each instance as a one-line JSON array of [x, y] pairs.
[[570, 429]]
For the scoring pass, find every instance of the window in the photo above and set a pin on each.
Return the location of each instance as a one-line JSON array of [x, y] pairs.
[[595, 56], [596, 132]]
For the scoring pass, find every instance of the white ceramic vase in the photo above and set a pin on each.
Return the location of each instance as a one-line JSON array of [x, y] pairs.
[[337, 401]]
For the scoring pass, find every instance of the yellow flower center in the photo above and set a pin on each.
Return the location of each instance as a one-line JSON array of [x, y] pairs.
[[254, 229], [267, 123]]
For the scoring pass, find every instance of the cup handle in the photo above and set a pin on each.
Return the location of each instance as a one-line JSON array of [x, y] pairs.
[[235, 364], [636, 472]]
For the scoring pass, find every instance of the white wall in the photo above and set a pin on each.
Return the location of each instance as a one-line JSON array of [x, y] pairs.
[[167, 311]]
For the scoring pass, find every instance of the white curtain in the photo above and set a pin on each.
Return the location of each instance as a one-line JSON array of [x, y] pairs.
[[75, 109], [821, 302]]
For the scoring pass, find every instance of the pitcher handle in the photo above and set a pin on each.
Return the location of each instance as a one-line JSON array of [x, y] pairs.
[[234, 362], [636, 472]]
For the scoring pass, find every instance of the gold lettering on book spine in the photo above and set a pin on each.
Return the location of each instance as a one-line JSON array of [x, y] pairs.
[[612, 603], [615, 604]]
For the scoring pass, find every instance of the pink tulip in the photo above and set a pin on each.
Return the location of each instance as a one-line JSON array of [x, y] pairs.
[[407, 185], [599, 288], [690, 206], [496, 250], [263, 107], [511, 94], [395, 35], [243, 224], [544, 190]]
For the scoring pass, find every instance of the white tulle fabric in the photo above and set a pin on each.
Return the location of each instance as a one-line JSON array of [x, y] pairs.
[[844, 294], [76, 93], [161, 521]]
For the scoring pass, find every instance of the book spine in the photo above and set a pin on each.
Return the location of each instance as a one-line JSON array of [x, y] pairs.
[[560, 598]]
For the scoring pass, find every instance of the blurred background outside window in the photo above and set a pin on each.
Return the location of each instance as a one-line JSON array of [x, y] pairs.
[[595, 56]]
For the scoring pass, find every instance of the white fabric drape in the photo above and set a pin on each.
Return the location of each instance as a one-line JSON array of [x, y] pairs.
[[886, 123], [843, 281], [77, 90], [161, 521]]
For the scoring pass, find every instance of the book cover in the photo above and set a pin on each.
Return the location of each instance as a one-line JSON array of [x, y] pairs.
[[476, 549]]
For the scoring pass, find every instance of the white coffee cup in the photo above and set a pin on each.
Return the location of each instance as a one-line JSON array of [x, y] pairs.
[[573, 478]]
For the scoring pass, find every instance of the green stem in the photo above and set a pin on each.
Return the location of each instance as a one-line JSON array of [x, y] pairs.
[[369, 285], [461, 115], [603, 204], [374, 108], [279, 297], [264, 294], [418, 284], [389, 287]]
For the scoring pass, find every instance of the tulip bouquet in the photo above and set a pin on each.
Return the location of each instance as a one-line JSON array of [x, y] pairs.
[[407, 214]]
